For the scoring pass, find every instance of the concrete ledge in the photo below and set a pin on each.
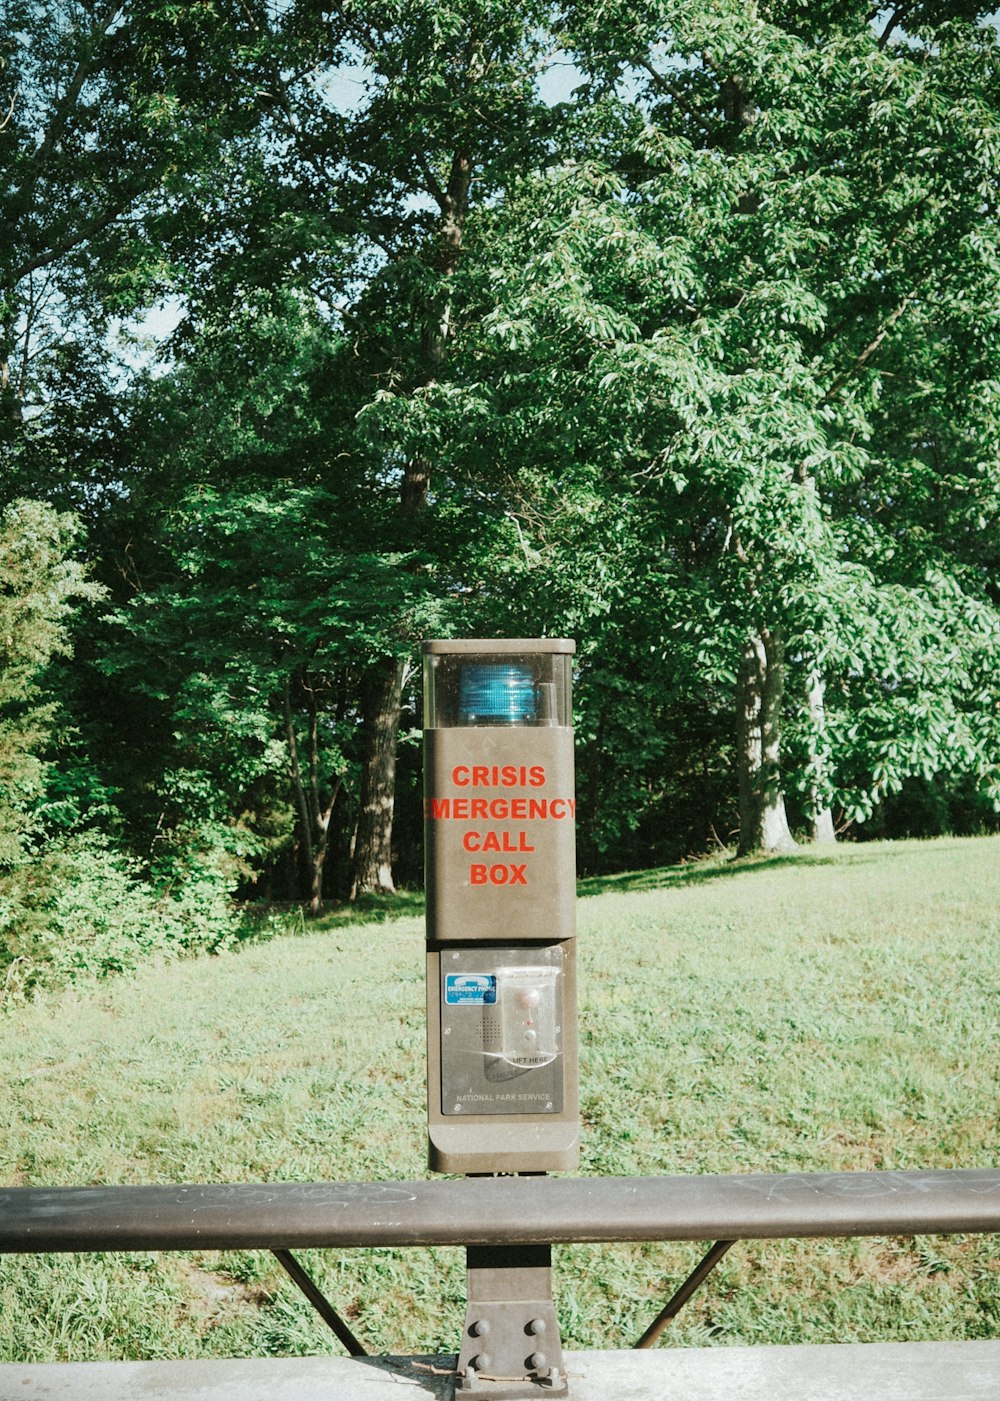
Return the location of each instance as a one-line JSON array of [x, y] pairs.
[[840, 1372]]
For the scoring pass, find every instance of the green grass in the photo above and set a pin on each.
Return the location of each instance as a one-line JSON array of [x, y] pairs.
[[804, 1013]]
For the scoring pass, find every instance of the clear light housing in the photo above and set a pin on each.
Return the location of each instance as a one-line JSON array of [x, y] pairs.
[[521, 683]]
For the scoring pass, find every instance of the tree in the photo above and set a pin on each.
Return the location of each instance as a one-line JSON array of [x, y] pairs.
[[256, 598], [43, 584], [698, 366], [110, 110], [453, 102], [728, 308], [364, 208]]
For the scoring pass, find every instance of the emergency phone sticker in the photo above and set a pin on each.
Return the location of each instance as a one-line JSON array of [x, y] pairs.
[[470, 989]]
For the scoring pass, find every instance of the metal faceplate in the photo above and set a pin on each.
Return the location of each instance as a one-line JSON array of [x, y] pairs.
[[502, 1017]]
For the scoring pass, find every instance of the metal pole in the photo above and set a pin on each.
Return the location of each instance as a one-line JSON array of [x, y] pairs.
[[320, 1302], [693, 1282]]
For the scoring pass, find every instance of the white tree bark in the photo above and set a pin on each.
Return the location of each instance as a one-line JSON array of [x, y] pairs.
[[823, 828], [763, 821]]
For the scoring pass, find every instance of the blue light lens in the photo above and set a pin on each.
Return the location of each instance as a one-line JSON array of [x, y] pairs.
[[496, 693]]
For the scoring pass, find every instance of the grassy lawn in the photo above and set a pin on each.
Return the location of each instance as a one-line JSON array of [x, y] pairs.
[[803, 1013]]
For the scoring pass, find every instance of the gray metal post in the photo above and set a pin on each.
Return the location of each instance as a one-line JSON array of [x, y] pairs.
[[502, 1095]]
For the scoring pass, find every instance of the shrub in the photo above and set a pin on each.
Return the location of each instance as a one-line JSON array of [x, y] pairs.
[[84, 911]]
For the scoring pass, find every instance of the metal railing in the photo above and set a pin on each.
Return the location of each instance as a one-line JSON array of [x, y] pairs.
[[495, 1212], [498, 1211]]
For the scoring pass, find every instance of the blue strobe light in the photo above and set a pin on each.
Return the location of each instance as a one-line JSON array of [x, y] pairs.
[[496, 693]]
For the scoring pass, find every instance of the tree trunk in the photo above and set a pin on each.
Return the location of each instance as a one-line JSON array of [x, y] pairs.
[[763, 823], [314, 813], [822, 817], [453, 202], [381, 701], [372, 859], [10, 396], [298, 788]]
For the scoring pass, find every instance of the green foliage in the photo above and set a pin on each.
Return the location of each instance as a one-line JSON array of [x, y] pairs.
[[42, 584], [729, 379], [75, 912], [702, 356], [83, 910], [279, 574]]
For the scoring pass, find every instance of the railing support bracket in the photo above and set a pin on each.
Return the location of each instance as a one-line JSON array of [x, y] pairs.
[[511, 1349]]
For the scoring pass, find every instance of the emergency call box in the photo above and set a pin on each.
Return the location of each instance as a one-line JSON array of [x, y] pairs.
[[499, 822]]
